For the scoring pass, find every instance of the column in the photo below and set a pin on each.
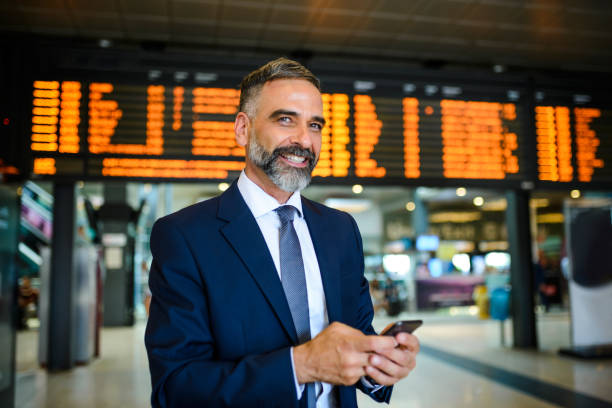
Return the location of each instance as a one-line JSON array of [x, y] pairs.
[[521, 270], [61, 291]]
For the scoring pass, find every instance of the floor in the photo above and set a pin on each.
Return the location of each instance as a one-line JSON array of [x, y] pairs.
[[462, 364]]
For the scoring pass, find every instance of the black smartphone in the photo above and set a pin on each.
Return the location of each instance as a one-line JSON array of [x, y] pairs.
[[405, 326]]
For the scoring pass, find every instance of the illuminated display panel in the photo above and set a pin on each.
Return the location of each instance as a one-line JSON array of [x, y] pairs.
[[479, 139], [56, 116], [588, 157], [574, 139], [165, 131], [412, 146], [429, 139], [554, 143], [334, 159], [368, 129], [152, 131]]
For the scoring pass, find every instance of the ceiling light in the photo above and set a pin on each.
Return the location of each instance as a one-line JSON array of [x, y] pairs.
[[478, 201], [461, 192], [410, 206], [223, 186], [575, 194], [357, 189], [105, 43], [498, 68], [350, 205]]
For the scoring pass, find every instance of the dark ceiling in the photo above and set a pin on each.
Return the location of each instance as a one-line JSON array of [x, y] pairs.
[[546, 34]]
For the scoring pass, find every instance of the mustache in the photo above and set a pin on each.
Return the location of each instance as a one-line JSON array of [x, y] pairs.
[[294, 150]]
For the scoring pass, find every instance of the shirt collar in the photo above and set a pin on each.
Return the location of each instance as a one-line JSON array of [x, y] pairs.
[[260, 202]]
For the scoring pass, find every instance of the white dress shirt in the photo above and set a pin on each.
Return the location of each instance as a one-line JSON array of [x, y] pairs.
[[262, 206]]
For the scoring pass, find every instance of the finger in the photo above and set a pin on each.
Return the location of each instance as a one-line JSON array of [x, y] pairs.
[[408, 341], [378, 343], [349, 377], [358, 360], [387, 366], [398, 356], [380, 377]]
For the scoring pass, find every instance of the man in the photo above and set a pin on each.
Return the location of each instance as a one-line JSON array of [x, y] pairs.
[[259, 298]]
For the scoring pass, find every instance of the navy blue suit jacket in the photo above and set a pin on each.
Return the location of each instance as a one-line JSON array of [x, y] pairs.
[[220, 329]]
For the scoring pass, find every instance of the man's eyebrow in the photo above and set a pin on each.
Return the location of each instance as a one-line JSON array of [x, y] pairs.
[[280, 112], [319, 119]]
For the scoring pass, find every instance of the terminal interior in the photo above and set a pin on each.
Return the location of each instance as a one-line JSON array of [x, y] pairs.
[[505, 256], [442, 278]]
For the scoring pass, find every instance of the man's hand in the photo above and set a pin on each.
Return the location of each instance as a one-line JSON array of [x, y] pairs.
[[340, 354], [389, 366]]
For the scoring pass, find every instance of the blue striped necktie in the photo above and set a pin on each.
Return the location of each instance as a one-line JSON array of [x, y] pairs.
[[293, 280]]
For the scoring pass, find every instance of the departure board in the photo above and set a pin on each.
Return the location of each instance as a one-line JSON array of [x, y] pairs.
[[574, 139], [131, 131], [104, 129], [416, 133]]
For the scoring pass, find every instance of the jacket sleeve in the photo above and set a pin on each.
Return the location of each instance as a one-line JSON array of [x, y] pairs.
[[365, 316], [185, 371]]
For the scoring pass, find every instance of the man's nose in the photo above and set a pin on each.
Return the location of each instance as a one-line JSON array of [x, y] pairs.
[[302, 137]]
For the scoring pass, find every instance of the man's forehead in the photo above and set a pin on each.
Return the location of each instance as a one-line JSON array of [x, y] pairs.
[[290, 95], [292, 87]]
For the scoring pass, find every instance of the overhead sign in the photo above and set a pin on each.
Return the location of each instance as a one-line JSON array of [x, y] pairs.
[[413, 133]]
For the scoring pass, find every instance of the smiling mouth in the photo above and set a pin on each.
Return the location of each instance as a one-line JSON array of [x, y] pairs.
[[295, 159]]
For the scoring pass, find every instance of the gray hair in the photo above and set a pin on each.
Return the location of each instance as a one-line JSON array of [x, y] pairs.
[[280, 68]]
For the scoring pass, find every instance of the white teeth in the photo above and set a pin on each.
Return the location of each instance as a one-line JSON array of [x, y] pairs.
[[295, 159]]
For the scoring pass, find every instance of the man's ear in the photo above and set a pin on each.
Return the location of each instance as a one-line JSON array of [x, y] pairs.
[[241, 128]]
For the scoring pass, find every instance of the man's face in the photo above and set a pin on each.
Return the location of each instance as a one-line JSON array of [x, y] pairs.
[[284, 141]]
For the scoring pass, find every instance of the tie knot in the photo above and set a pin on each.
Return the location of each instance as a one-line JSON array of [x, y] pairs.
[[286, 213]]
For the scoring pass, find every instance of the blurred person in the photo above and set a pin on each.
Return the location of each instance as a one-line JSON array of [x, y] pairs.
[[27, 297], [258, 295], [546, 280], [378, 296], [422, 271], [393, 301], [146, 292]]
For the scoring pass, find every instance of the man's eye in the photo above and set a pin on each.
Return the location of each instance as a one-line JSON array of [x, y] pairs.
[[284, 119], [316, 126]]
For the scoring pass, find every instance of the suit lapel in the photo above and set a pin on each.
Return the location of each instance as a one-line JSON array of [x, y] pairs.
[[322, 235], [244, 235]]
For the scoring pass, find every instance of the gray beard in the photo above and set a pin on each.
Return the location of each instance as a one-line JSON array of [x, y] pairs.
[[285, 177]]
